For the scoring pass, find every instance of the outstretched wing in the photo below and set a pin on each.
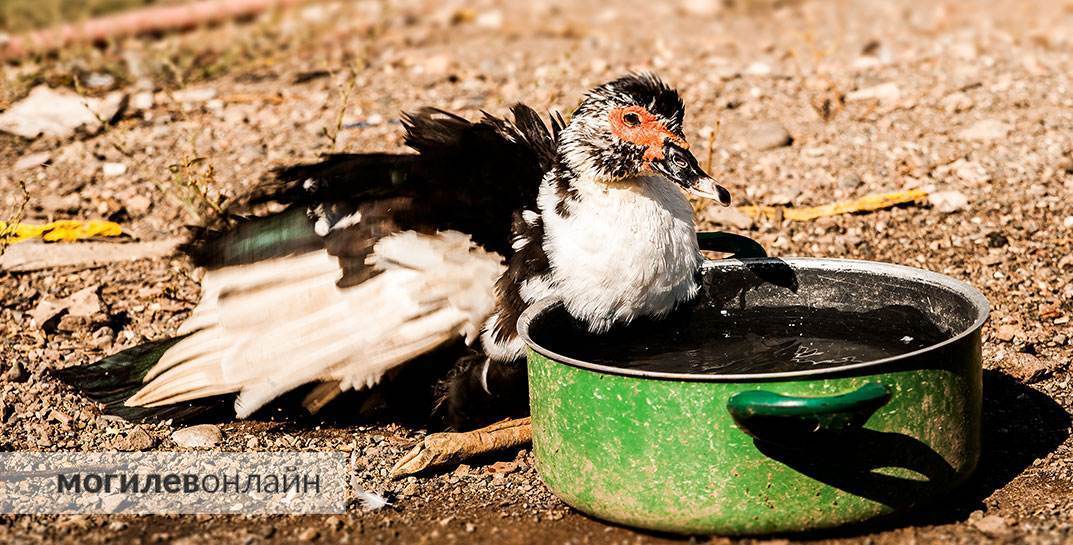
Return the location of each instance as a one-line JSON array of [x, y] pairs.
[[469, 177], [377, 259], [265, 328]]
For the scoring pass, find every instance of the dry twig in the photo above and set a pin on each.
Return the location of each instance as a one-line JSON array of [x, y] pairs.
[[439, 449]]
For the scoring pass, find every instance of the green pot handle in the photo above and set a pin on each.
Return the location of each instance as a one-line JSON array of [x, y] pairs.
[[779, 418]]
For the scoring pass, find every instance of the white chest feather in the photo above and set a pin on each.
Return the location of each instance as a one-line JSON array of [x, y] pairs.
[[624, 250]]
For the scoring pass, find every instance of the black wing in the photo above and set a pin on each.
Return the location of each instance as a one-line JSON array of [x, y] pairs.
[[472, 177]]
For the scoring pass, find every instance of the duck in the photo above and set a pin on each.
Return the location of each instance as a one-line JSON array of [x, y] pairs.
[[374, 263]]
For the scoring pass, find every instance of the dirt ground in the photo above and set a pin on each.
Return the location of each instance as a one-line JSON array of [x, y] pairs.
[[968, 97]]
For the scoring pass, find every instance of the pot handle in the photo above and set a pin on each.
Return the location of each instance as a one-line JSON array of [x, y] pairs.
[[780, 418], [721, 241]]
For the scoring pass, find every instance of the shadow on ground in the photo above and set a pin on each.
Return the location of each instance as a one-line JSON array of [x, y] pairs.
[[1020, 424]]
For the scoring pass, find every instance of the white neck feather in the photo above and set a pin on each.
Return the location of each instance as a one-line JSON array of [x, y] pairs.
[[625, 249]]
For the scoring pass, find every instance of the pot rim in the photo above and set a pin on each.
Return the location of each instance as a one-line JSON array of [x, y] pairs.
[[969, 293]]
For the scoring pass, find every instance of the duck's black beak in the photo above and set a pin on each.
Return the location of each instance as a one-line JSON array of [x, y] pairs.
[[680, 167]]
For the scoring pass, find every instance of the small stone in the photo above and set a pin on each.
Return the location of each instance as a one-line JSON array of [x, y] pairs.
[[1068, 222], [69, 323], [850, 181], [46, 310], [971, 172], [728, 217], [203, 94], [111, 170], [139, 204], [956, 102], [886, 92], [32, 160], [702, 8], [759, 68], [992, 525], [136, 440], [200, 436], [1028, 368], [409, 490], [470, 527], [492, 19], [997, 240], [83, 302], [334, 522], [66, 204], [99, 80], [58, 113], [948, 201], [767, 135], [142, 101], [984, 130], [1007, 332], [15, 373], [437, 65], [309, 534]]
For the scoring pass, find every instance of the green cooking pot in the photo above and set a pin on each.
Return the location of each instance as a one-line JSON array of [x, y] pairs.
[[771, 452]]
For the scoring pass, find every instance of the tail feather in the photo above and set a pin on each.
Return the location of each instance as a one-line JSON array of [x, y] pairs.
[[118, 377]]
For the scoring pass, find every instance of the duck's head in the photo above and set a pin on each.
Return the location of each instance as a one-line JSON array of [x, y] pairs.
[[632, 126]]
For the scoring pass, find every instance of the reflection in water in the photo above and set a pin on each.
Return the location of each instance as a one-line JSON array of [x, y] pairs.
[[707, 339]]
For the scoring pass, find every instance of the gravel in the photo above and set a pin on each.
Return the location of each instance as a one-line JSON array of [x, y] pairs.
[[982, 111]]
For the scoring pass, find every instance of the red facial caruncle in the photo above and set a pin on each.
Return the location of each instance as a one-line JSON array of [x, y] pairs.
[[636, 125]]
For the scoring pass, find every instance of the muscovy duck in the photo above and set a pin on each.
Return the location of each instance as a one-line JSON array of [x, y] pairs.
[[379, 259]]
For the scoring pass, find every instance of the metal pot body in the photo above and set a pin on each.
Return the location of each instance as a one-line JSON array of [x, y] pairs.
[[772, 453]]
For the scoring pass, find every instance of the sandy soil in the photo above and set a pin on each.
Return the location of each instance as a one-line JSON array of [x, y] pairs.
[[970, 97]]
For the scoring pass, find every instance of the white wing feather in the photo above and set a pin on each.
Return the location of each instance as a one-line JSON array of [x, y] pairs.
[[265, 328]]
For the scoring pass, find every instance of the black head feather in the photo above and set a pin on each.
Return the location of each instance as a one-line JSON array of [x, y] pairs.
[[642, 89]]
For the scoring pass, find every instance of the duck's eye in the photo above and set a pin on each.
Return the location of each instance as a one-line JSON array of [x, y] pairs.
[[632, 119]]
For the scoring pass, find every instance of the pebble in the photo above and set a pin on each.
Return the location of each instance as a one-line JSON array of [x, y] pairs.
[[100, 80], [142, 101], [309, 534], [992, 525], [956, 102], [492, 19], [886, 92], [766, 135], [1068, 222], [32, 160], [136, 440], [702, 8], [1027, 368], [984, 130], [728, 217], [139, 204], [971, 172], [203, 94], [58, 113], [111, 170], [15, 373], [759, 68], [850, 181], [83, 303], [200, 436], [948, 201], [1007, 332]]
